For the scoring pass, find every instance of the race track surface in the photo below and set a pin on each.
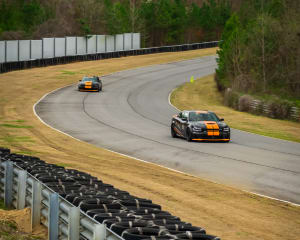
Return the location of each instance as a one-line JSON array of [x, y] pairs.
[[132, 116]]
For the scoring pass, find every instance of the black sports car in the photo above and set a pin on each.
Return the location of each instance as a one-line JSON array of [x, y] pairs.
[[90, 84], [200, 125]]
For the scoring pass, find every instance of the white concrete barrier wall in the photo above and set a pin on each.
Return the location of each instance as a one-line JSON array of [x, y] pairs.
[[101, 47], [2, 51], [110, 43], [119, 42], [127, 41], [36, 49], [24, 50], [136, 41], [92, 45], [60, 47], [81, 45], [48, 47], [12, 51], [70, 46]]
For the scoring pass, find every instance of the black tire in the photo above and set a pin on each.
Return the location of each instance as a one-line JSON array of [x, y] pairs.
[[140, 204], [4, 151], [120, 227], [93, 212], [86, 207], [196, 236], [163, 222], [182, 228], [100, 217], [189, 135], [160, 216], [142, 233], [173, 133]]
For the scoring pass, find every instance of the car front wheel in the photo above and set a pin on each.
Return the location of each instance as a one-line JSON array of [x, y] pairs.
[[189, 136], [173, 133]]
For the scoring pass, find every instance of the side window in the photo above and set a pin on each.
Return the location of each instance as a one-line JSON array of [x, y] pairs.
[[185, 115]]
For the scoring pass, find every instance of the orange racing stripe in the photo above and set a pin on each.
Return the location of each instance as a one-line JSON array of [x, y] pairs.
[[178, 131], [212, 128], [88, 84]]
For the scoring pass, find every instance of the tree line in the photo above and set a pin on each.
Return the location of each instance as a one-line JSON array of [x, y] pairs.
[[19, 18], [161, 22], [260, 50]]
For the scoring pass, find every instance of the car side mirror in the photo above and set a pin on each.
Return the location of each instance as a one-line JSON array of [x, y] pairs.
[[221, 119]]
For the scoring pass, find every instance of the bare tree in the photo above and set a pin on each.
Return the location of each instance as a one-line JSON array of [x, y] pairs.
[[262, 20]]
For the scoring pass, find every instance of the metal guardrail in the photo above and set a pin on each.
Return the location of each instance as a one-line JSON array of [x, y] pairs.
[[11, 66], [19, 189]]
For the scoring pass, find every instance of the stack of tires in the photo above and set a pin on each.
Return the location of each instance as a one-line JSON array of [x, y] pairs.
[[127, 215]]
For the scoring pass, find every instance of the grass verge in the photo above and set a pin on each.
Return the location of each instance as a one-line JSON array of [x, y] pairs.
[[203, 94], [224, 211]]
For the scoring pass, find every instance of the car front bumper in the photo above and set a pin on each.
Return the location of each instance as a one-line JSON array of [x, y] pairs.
[[87, 89], [205, 136]]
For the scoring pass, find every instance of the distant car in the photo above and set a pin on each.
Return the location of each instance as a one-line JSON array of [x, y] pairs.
[[200, 125], [90, 84]]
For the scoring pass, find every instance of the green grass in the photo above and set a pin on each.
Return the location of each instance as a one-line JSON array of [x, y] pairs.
[[7, 125], [12, 139], [2, 206], [17, 121], [68, 72], [65, 165], [9, 231], [31, 153]]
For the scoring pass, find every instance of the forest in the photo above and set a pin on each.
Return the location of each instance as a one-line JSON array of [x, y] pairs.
[[161, 22], [260, 55]]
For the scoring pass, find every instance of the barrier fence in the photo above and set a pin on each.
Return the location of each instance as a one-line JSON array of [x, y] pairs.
[[19, 189], [112, 48], [75, 205], [25, 50]]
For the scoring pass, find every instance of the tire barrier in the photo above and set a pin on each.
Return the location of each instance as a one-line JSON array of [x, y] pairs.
[[128, 216], [12, 66]]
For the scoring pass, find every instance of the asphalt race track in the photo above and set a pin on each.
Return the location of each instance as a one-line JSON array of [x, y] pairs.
[[132, 116]]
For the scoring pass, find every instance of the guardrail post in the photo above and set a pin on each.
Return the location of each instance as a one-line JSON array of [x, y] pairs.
[[8, 193], [74, 223], [53, 216], [99, 232], [21, 194], [36, 203]]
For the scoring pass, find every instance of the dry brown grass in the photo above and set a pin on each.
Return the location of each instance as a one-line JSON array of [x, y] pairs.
[[15, 225], [223, 211], [203, 94]]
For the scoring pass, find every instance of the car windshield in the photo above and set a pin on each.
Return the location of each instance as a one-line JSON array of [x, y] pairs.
[[93, 79], [200, 116]]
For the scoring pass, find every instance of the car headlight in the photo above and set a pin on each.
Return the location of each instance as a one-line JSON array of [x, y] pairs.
[[196, 129], [226, 129]]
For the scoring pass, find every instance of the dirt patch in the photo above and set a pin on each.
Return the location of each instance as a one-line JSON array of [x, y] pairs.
[[226, 212], [203, 94], [16, 223]]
